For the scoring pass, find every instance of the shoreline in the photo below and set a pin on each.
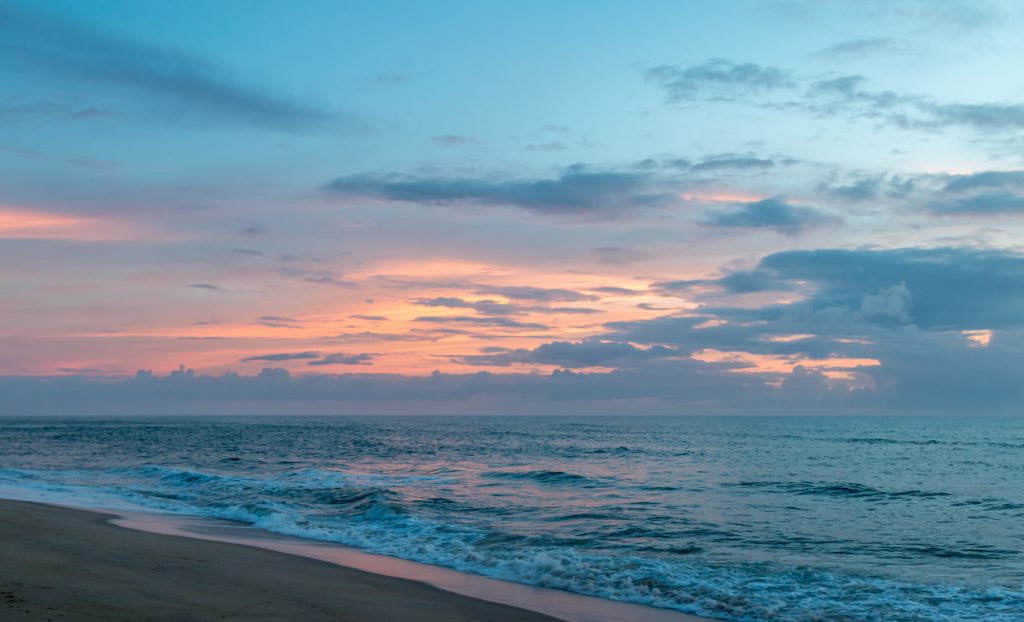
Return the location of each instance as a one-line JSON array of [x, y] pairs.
[[336, 579]]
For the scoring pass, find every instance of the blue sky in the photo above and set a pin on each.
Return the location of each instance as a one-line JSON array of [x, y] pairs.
[[485, 207]]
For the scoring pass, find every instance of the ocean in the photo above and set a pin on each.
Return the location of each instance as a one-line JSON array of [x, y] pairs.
[[734, 518]]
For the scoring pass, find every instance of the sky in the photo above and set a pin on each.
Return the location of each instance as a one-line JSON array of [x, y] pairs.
[[270, 207]]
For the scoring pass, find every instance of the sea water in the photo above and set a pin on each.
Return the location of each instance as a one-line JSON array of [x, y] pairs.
[[734, 518]]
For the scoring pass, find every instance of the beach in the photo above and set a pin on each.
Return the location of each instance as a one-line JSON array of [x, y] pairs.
[[63, 564]]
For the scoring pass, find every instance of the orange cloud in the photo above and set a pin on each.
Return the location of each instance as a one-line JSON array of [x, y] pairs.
[[978, 338], [23, 224], [769, 363]]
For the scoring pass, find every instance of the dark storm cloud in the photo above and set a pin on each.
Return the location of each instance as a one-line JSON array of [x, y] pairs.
[[772, 213], [577, 191], [185, 86]]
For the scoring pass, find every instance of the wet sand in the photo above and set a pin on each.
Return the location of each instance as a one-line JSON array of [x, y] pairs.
[[64, 564]]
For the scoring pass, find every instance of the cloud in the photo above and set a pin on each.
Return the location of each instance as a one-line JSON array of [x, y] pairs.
[[952, 288], [570, 355], [279, 321], [485, 307], [842, 95], [252, 228], [319, 277], [90, 371], [182, 85], [863, 189], [371, 336], [665, 385], [861, 304], [66, 111], [984, 116], [890, 305], [281, 356], [733, 162], [493, 307], [718, 79], [985, 180], [577, 191], [735, 282], [537, 294], [344, 359], [921, 372], [847, 95], [452, 140], [772, 213], [493, 322], [985, 203], [89, 163], [860, 48], [620, 291], [207, 286], [554, 145]]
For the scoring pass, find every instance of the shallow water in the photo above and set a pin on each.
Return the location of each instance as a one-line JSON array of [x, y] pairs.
[[749, 518]]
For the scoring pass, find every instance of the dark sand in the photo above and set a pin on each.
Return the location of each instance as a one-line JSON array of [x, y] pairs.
[[64, 564]]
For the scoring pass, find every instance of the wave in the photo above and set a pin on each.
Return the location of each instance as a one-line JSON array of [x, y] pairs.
[[895, 441], [992, 505], [547, 477], [370, 513], [842, 489], [898, 441]]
